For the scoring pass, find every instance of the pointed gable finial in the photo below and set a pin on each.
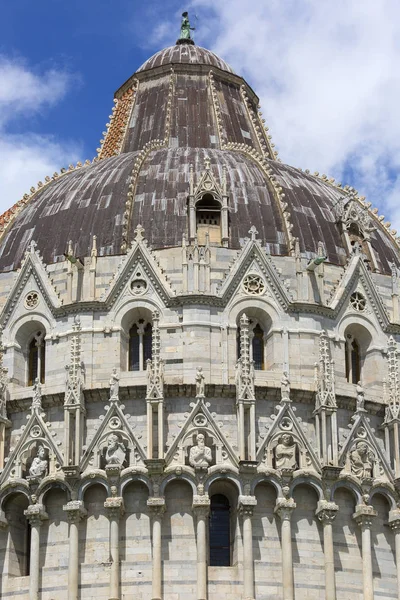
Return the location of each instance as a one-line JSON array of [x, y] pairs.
[[325, 375], [139, 231], [393, 408], [253, 233], [36, 396], [207, 163], [245, 375]]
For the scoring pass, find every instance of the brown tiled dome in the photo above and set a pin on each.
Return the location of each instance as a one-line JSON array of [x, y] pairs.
[[185, 54]]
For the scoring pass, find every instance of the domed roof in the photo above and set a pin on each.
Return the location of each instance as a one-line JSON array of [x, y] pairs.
[[185, 54], [164, 128]]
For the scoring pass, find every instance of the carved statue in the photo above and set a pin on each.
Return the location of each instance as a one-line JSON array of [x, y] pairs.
[[285, 386], [200, 455], [285, 452], [39, 464], [116, 451], [360, 396], [200, 383], [3, 393], [362, 460], [37, 394], [114, 385], [185, 27]]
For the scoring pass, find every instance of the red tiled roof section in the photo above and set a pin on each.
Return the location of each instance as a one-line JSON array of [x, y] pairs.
[[116, 132]]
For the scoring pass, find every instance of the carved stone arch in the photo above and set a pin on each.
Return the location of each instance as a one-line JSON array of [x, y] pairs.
[[12, 488], [351, 486], [267, 479], [310, 481], [134, 477], [51, 484], [133, 319], [383, 491], [265, 310], [91, 480], [219, 477], [360, 335], [172, 477]]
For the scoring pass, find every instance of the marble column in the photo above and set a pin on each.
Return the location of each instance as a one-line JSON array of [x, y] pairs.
[[201, 509], [35, 514], [363, 516], [394, 523], [75, 512], [115, 509], [157, 509], [246, 508], [284, 509], [326, 513]]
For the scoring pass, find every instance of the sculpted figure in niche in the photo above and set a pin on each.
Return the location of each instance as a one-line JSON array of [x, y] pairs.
[[200, 384], [285, 386], [39, 464], [200, 455], [362, 460], [114, 385], [285, 452], [116, 451], [360, 396]]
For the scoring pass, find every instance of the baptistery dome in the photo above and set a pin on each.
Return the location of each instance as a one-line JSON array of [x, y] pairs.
[[199, 379]]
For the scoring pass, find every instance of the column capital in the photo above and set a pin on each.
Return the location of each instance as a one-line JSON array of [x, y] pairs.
[[394, 520], [201, 505], [75, 511], [114, 507], [284, 508], [247, 505], [326, 511], [364, 515], [35, 514], [156, 506]]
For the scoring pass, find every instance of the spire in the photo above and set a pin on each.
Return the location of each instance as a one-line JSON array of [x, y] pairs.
[[155, 365], [244, 366], [325, 375], [74, 382], [185, 35], [393, 408]]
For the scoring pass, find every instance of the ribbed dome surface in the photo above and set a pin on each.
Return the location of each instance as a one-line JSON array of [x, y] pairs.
[[185, 54]]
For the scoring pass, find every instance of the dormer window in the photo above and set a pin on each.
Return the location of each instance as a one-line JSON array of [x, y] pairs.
[[208, 220]]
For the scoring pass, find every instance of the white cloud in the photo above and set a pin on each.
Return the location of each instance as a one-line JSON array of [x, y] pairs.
[[328, 78], [26, 159]]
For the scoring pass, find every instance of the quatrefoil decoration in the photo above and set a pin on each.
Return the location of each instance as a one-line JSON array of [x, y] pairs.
[[253, 285]]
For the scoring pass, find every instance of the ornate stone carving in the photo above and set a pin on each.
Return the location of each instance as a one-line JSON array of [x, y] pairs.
[[325, 375], [35, 513], [364, 515], [200, 383], [40, 464], [3, 384], [200, 455], [326, 511], [245, 373], [253, 285], [75, 511], [114, 385], [37, 395], [285, 387], [74, 371], [358, 302], [31, 300], [360, 396], [114, 507], [362, 460], [116, 451], [284, 508], [155, 366], [285, 453], [393, 408]]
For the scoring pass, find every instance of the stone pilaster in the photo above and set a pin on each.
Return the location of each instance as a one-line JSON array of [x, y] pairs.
[[284, 509], [364, 516], [115, 509], [35, 514], [326, 512], [75, 512], [157, 509], [394, 524], [201, 509], [246, 508]]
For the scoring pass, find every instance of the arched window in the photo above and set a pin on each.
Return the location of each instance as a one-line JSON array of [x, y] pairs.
[[258, 347], [140, 345], [256, 334], [352, 359], [208, 220], [37, 358], [220, 534]]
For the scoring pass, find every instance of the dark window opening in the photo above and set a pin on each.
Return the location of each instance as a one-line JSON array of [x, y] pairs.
[[134, 348], [353, 361], [36, 357], [220, 536], [258, 348], [147, 343]]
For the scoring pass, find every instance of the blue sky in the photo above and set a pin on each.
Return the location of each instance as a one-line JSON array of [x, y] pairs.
[[327, 75]]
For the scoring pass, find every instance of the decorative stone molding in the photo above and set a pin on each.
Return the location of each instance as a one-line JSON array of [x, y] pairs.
[[35, 513], [247, 505], [394, 520], [114, 507], [325, 375], [364, 515], [284, 508], [156, 505], [326, 511], [75, 510]]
